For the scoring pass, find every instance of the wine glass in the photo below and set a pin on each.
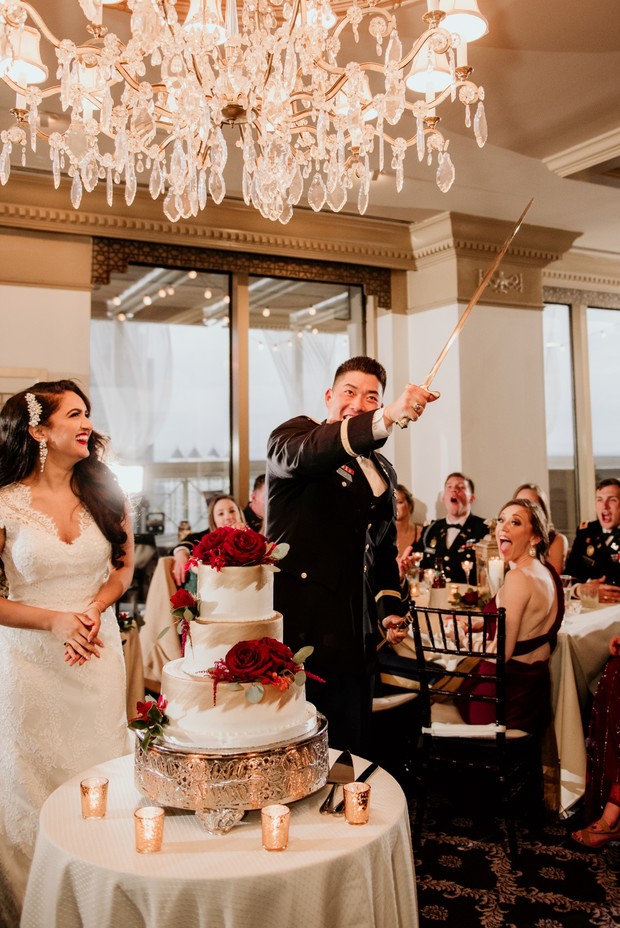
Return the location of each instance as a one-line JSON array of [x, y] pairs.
[[467, 565]]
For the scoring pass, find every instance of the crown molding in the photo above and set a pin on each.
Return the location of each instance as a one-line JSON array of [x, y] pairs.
[[587, 154], [29, 201]]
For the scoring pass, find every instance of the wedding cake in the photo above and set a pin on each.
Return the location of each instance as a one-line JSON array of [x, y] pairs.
[[237, 685], [231, 729]]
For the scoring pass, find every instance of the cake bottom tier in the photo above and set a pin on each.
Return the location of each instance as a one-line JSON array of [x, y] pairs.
[[229, 721]]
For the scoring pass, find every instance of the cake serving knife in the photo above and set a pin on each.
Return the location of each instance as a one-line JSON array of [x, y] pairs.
[[341, 772]]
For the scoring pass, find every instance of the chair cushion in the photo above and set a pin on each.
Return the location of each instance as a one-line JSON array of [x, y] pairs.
[[446, 722]]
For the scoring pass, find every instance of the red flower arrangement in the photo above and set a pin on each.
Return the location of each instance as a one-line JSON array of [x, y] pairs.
[[184, 608], [235, 547], [262, 662], [151, 719]]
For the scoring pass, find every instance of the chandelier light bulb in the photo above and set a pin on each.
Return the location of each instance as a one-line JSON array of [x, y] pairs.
[[192, 275], [208, 294]]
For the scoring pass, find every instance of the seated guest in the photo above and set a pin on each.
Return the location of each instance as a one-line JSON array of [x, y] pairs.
[[254, 512], [534, 602], [595, 551], [223, 510], [408, 532], [558, 543], [602, 797], [450, 540]]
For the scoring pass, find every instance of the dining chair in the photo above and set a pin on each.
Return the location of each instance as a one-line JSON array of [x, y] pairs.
[[449, 645]]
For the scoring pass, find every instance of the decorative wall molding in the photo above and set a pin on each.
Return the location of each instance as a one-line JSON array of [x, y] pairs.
[[29, 201], [501, 283], [571, 296], [113, 255]]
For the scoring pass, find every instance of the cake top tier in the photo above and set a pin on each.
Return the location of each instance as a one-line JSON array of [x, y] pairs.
[[236, 547]]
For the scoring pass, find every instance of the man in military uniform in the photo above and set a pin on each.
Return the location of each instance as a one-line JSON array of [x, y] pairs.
[[452, 539], [330, 495], [595, 551]]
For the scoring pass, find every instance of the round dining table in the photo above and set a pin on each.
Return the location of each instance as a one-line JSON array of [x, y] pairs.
[[86, 873]]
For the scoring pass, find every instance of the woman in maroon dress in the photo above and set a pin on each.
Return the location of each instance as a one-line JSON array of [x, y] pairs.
[[602, 797], [534, 602]]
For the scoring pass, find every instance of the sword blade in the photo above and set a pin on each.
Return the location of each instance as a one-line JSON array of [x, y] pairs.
[[479, 291]]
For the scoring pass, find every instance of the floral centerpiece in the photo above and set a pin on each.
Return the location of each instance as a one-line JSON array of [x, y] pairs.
[[262, 662], [151, 719], [235, 547], [470, 599]]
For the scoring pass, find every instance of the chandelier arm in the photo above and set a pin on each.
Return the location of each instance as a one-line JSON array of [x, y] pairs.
[[371, 11]]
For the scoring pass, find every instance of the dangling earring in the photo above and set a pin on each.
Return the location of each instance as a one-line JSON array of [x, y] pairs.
[[42, 453], [531, 552]]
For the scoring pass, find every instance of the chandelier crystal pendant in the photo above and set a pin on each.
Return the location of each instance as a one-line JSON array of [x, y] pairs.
[[264, 75]]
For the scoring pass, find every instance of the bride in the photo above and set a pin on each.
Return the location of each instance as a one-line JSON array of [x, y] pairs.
[[66, 546]]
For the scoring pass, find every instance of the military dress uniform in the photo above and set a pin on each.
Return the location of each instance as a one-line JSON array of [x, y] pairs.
[[340, 576], [434, 545], [595, 554]]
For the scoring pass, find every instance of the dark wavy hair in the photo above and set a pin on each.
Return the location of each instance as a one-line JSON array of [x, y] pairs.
[[92, 481], [538, 522]]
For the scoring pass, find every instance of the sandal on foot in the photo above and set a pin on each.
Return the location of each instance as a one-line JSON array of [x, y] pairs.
[[597, 834]]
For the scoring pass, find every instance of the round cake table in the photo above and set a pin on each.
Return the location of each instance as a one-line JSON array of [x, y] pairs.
[[87, 874]]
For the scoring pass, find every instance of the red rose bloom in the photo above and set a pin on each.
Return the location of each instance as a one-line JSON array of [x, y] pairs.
[[281, 655], [244, 547], [249, 660], [182, 598]]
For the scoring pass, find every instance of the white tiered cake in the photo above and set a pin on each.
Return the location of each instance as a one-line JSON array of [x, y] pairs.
[[236, 606]]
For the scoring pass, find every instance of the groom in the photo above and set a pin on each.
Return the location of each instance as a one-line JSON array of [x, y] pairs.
[[330, 495]]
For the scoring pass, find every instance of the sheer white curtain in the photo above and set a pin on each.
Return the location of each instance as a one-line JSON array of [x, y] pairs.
[[305, 367], [131, 369]]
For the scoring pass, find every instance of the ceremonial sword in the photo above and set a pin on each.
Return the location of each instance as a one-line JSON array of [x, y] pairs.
[[404, 421]]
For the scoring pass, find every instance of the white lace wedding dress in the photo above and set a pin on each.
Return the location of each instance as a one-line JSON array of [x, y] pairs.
[[55, 720]]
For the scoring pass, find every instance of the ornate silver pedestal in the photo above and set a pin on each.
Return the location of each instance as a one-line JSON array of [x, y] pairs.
[[221, 786]]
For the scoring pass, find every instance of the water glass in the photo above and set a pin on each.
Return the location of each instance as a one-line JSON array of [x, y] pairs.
[[588, 593]]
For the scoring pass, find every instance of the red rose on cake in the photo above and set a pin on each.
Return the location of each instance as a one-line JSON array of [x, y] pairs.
[[182, 598], [235, 547]]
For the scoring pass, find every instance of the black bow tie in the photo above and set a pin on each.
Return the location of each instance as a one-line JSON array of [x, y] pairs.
[[454, 525]]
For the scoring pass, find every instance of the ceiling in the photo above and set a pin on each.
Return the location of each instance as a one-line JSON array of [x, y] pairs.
[[550, 69]]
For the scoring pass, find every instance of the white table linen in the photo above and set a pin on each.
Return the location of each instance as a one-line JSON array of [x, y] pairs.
[[87, 874], [576, 665]]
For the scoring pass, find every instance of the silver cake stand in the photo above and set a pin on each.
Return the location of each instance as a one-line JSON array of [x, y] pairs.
[[220, 787]]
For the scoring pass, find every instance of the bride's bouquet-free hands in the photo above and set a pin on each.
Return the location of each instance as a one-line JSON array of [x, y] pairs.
[[78, 632]]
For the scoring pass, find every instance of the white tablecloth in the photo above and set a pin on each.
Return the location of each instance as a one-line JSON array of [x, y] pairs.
[[576, 664], [87, 874]]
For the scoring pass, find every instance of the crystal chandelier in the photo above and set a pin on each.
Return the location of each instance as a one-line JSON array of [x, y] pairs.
[[267, 76]]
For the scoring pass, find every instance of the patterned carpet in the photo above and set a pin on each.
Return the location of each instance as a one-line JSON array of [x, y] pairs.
[[465, 877]]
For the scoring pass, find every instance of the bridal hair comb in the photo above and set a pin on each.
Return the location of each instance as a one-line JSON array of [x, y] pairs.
[[34, 409]]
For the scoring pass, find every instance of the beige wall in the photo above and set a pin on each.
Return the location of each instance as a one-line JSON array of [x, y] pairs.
[[45, 333]]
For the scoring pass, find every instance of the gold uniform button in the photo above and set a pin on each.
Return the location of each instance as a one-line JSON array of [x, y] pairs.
[[344, 483], [304, 575]]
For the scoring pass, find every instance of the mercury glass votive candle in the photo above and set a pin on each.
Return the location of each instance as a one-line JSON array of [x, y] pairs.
[[274, 826], [149, 824], [94, 796], [357, 803]]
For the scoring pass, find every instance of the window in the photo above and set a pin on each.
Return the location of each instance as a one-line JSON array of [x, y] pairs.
[[603, 327], [559, 417]]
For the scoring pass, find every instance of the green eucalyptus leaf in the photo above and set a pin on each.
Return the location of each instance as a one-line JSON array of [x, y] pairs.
[[255, 692], [138, 724], [234, 686], [280, 550], [163, 632], [300, 678], [301, 656]]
